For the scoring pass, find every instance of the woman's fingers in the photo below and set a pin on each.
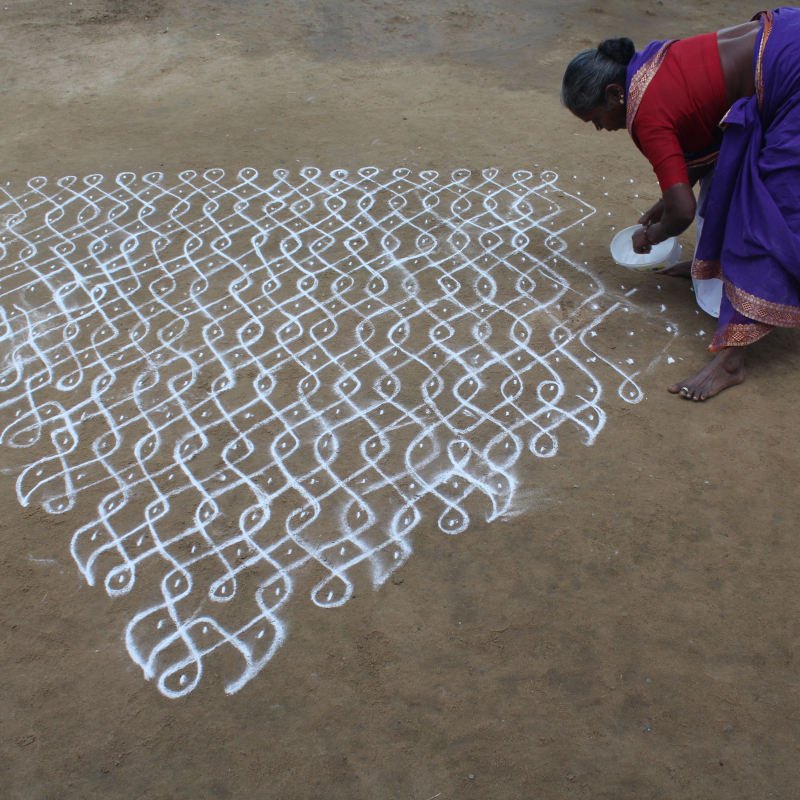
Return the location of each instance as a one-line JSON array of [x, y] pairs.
[[653, 214], [640, 243]]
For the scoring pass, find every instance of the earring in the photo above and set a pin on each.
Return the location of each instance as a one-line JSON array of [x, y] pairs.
[[621, 102]]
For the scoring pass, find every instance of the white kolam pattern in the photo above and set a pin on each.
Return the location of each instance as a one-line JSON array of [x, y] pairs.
[[256, 381]]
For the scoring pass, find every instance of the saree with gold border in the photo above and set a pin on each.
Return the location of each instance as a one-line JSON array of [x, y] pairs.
[[751, 237], [751, 233]]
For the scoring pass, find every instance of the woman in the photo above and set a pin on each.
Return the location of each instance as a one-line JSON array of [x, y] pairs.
[[675, 98]]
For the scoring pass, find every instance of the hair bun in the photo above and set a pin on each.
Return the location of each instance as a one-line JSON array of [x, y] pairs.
[[619, 50]]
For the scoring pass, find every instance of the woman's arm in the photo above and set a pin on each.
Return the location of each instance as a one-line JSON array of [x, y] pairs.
[[677, 215], [653, 214]]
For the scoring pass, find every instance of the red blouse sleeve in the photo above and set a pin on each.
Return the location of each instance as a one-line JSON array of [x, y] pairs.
[[660, 146]]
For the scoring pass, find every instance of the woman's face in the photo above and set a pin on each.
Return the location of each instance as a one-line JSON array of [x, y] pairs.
[[608, 117]]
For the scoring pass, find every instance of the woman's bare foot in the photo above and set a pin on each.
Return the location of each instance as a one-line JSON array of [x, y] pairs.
[[727, 369], [683, 269]]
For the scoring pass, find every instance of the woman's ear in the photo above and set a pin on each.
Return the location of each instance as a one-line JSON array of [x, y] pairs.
[[615, 94]]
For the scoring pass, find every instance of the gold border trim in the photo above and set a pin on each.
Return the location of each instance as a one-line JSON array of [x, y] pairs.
[[768, 18], [775, 314], [703, 162], [641, 80], [706, 270], [738, 335]]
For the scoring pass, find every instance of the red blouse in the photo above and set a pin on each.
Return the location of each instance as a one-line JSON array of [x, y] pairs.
[[681, 108]]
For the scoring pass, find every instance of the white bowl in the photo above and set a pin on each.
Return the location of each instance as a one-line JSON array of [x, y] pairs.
[[662, 255]]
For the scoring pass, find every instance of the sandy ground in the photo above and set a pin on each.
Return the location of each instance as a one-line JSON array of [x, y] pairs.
[[630, 633]]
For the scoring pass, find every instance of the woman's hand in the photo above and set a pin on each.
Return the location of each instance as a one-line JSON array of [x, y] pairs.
[[670, 216], [640, 243], [653, 215]]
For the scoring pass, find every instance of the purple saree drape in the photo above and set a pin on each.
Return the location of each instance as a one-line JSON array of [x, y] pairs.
[[751, 235]]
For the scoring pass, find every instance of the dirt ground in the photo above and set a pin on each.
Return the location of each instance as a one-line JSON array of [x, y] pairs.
[[630, 633]]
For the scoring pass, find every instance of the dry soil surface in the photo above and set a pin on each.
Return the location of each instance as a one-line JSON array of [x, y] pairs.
[[609, 612]]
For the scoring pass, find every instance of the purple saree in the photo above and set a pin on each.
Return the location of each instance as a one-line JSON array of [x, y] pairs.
[[751, 234], [751, 237]]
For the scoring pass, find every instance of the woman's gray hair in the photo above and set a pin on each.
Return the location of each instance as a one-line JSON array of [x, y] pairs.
[[590, 72]]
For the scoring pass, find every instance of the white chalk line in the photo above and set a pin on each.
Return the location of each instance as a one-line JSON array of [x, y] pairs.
[[259, 378]]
